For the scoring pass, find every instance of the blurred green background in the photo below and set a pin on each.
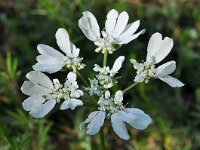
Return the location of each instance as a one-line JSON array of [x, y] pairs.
[[175, 112]]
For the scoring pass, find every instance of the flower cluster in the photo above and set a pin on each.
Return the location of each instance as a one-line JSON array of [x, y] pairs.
[[51, 60], [113, 108], [117, 30], [45, 93], [157, 50], [105, 78]]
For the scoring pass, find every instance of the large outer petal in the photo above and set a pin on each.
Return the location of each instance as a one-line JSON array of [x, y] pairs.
[[130, 29], [117, 65], [119, 126], [89, 119], [43, 109], [173, 82], [165, 69], [49, 60], [121, 24], [47, 68], [63, 42], [75, 51], [30, 88], [32, 102], [128, 39], [164, 50], [111, 21], [50, 51], [153, 45], [136, 118], [39, 78], [89, 26], [96, 123]]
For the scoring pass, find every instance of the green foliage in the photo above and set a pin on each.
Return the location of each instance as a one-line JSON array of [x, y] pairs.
[[16, 143]]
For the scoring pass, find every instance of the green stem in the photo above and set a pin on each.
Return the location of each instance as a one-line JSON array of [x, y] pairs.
[[105, 56], [102, 142], [82, 78], [129, 87]]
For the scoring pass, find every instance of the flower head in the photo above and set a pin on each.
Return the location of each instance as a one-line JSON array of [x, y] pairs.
[[105, 77], [157, 50], [44, 93], [51, 60], [113, 108], [117, 30]]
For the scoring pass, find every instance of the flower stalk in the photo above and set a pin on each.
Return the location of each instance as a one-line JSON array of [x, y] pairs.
[[82, 78], [102, 141], [129, 87], [105, 57]]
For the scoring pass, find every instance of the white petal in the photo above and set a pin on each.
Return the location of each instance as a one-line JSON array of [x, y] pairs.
[[153, 45], [43, 109], [31, 102], [71, 76], [62, 39], [77, 93], [121, 24], [119, 126], [129, 38], [166, 68], [47, 50], [135, 63], [130, 29], [118, 96], [75, 51], [97, 68], [85, 27], [136, 118], [39, 78], [72, 103], [96, 123], [47, 68], [173, 82], [89, 119], [111, 21], [117, 65], [165, 48], [30, 88], [107, 94], [49, 60], [139, 78], [93, 23], [89, 26]]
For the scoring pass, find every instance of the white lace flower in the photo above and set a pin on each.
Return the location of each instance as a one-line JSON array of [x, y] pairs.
[[105, 77], [117, 30], [157, 50], [112, 108], [51, 60], [44, 93]]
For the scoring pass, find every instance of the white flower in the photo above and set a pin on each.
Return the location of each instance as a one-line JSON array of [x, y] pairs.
[[117, 30], [44, 93], [157, 50], [51, 60], [105, 77], [113, 109]]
